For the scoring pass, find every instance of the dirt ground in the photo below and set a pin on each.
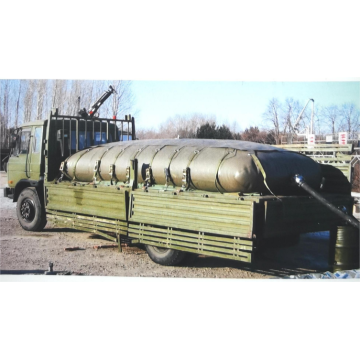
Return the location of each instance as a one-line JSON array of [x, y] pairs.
[[30, 252]]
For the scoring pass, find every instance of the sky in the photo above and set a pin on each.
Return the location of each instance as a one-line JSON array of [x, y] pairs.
[[240, 101]]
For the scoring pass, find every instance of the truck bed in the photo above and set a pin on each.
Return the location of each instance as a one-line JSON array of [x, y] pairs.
[[222, 225]]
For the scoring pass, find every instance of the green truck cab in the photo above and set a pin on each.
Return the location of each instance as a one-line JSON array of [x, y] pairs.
[[26, 158], [37, 150], [25, 174], [174, 196]]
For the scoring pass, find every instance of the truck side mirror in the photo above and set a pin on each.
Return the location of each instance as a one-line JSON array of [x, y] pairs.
[[14, 142]]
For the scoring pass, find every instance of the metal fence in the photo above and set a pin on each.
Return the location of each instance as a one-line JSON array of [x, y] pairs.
[[353, 138]]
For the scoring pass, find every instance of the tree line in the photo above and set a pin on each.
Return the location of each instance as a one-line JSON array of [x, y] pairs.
[[278, 124], [27, 100], [204, 126], [22, 101], [281, 117]]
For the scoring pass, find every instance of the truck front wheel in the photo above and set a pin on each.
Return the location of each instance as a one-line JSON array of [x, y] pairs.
[[30, 213], [163, 256]]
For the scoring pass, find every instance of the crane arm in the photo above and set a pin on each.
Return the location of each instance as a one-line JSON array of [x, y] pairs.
[[301, 113], [95, 107]]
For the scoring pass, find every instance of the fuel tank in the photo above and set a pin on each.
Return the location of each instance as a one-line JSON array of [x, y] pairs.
[[224, 166]]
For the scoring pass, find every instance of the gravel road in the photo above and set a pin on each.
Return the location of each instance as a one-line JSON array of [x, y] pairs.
[[27, 252]]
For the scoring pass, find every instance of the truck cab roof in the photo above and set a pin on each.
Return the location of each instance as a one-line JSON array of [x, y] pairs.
[[33, 123]]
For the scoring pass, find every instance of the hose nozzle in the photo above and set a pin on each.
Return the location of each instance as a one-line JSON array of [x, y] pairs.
[[298, 180]]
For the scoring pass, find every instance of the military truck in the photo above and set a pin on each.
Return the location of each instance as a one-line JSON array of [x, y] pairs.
[[221, 198]]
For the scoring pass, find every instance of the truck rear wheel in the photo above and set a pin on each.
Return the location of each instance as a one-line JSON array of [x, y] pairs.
[[163, 256], [30, 213]]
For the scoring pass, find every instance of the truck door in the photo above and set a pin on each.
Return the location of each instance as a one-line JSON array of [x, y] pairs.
[[25, 162], [18, 163], [34, 161]]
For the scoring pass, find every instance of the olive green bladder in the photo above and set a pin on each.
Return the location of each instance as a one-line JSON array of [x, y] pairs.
[[223, 166]]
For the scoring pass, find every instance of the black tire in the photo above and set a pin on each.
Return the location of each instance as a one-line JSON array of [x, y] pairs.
[[30, 213], [163, 256]]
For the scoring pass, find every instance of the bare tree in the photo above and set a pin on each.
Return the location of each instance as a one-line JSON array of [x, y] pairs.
[[272, 115], [29, 100], [122, 100], [320, 127], [290, 113], [147, 134], [331, 116], [349, 119], [6, 99], [234, 127], [184, 126], [284, 119], [82, 94], [88, 97], [3, 130], [18, 96], [178, 126], [254, 134], [83, 97], [42, 93], [58, 98]]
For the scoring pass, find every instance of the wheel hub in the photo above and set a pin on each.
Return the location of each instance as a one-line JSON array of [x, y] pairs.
[[27, 210], [160, 250]]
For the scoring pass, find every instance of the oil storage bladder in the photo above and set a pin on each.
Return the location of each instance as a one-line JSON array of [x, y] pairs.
[[225, 166]]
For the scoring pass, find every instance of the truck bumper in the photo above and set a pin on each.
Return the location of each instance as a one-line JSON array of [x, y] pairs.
[[8, 193]]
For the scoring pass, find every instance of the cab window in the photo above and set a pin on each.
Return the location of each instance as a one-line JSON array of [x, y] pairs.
[[24, 141], [37, 140]]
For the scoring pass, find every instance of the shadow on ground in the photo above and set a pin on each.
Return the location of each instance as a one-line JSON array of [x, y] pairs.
[[309, 255], [58, 229]]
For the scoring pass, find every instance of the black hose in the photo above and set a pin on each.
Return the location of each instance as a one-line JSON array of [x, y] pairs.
[[299, 180]]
